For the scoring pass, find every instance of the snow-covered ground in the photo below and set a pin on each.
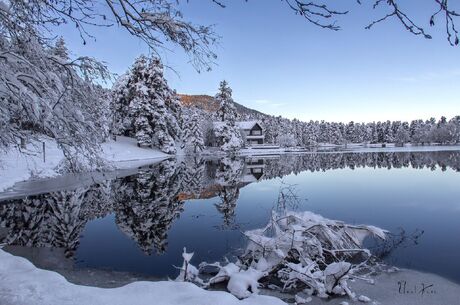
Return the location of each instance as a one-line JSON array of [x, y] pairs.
[[125, 149], [21, 283], [16, 166]]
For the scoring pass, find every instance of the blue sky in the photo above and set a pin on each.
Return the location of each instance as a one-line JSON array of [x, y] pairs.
[[278, 63]]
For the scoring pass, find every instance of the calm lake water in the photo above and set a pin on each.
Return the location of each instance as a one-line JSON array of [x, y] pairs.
[[140, 223]]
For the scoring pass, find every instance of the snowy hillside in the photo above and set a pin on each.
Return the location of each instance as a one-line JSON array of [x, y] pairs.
[[211, 105]]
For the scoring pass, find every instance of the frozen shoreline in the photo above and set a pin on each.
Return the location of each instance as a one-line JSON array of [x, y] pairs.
[[23, 283], [26, 173], [19, 167]]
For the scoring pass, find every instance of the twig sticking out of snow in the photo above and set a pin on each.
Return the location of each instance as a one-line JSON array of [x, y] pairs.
[[187, 257], [188, 272]]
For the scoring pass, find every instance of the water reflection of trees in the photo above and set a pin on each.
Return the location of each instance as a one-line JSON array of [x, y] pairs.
[[287, 164], [147, 204], [51, 220], [228, 176]]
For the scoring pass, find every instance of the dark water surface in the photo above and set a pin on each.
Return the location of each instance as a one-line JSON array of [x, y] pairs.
[[140, 223]]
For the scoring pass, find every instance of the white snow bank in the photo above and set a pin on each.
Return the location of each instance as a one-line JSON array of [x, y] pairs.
[[22, 283], [125, 149], [16, 166]]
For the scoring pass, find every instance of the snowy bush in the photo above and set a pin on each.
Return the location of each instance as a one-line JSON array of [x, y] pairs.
[[287, 140], [301, 250], [298, 251]]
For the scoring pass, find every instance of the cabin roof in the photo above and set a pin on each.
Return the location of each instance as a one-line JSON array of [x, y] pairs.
[[245, 125]]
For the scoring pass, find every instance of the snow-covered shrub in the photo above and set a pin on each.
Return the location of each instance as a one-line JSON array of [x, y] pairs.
[[302, 251], [287, 140]]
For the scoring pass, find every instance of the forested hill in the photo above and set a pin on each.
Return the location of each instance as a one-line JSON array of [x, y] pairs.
[[209, 104]]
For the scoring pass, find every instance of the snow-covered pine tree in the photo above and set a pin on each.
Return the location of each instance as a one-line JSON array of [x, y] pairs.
[[388, 133], [402, 135], [309, 135], [120, 97], [350, 132], [269, 130], [336, 134], [141, 105], [227, 110], [145, 107], [60, 49], [226, 131], [193, 135]]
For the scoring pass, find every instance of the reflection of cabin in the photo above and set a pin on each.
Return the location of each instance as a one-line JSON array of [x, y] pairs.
[[251, 131], [254, 170]]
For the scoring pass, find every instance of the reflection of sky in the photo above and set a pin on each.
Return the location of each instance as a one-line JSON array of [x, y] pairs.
[[407, 198]]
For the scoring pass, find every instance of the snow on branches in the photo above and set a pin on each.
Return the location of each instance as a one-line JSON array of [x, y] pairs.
[[145, 107], [297, 252], [42, 91], [225, 130], [227, 110], [193, 134]]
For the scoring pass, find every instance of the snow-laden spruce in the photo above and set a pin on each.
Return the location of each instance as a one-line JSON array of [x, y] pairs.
[[145, 107], [296, 252], [192, 131], [225, 130]]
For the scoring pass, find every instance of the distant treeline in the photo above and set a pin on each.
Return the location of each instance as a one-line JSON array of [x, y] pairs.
[[286, 132]]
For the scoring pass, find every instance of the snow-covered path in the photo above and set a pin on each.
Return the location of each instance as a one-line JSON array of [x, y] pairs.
[[16, 167]]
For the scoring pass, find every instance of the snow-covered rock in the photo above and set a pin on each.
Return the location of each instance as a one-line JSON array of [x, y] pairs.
[[244, 283]]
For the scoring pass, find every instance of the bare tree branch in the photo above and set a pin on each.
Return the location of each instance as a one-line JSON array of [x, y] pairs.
[[318, 14], [401, 16]]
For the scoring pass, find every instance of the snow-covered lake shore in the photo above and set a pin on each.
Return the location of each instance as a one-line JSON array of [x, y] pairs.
[[23, 283], [17, 167]]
